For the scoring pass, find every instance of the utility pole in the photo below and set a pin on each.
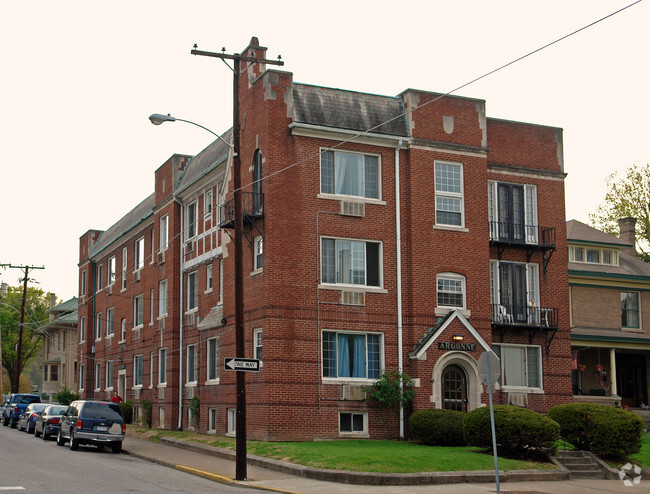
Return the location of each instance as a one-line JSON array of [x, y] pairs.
[[19, 350], [240, 347]]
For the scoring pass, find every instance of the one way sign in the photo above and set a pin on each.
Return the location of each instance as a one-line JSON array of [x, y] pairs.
[[242, 364]]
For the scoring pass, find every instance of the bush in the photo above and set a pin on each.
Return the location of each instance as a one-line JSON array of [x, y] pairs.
[[519, 432], [65, 396], [127, 411], [438, 427], [147, 411], [603, 430]]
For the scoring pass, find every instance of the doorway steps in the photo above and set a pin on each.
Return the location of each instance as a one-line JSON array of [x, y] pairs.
[[581, 464]]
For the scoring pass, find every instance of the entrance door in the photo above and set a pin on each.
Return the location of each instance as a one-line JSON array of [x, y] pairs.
[[454, 388], [631, 379], [121, 384]]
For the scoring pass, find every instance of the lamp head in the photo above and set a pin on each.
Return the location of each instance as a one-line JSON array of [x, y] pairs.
[[158, 118]]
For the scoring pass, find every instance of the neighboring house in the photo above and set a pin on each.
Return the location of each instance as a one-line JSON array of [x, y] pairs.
[[417, 245], [610, 315], [59, 346]]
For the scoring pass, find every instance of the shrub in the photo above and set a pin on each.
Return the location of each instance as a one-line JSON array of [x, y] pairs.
[[519, 432], [438, 427], [65, 396], [391, 389], [127, 411], [603, 430], [147, 411]]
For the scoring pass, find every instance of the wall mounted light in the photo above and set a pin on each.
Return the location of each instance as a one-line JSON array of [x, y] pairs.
[[457, 337]]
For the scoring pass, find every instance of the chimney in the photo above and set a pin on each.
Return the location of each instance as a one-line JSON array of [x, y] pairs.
[[628, 234], [52, 304]]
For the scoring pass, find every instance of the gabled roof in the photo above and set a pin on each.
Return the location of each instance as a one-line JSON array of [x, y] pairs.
[[579, 232], [67, 306], [206, 161], [336, 108]]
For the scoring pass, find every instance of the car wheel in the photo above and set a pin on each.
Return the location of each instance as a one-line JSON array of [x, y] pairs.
[[45, 436], [30, 430], [116, 446], [36, 433], [5, 421], [13, 424], [74, 443], [60, 440]]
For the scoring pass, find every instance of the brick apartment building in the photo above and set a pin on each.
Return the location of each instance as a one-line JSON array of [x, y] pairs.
[[411, 232]]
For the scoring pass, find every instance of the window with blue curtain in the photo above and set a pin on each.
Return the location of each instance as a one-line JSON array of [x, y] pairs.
[[351, 355]]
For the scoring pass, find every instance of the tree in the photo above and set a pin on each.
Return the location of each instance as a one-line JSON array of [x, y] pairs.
[[35, 316], [627, 196]]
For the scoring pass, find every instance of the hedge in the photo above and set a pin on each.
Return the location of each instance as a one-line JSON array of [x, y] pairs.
[[438, 427]]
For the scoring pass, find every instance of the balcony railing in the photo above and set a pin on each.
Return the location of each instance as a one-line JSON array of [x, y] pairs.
[[524, 316], [542, 237], [252, 208]]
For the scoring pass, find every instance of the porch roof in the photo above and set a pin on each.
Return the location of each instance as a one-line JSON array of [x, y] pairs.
[[610, 337]]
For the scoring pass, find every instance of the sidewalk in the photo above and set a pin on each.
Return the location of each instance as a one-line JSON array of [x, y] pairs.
[[215, 464]]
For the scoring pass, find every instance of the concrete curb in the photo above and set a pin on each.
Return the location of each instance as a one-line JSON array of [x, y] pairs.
[[370, 478]]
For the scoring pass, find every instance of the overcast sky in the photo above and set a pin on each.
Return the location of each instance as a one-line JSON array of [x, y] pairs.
[[80, 78]]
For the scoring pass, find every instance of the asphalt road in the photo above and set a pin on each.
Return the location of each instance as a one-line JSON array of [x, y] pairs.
[[31, 465]]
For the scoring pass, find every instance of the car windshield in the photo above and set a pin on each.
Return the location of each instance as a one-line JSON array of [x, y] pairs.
[[57, 410], [26, 399], [39, 407], [102, 411]]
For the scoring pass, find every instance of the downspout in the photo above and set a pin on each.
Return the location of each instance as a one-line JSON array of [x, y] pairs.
[[182, 318], [94, 336], [398, 241]]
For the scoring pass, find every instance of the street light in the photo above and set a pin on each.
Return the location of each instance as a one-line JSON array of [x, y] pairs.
[[159, 118]]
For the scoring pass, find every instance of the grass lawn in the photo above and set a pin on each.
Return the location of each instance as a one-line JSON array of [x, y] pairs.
[[643, 457], [361, 456]]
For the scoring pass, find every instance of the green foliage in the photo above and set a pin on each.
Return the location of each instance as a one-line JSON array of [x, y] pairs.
[[37, 303], [520, 433], [392, 389], [628, 196], [147, 411], [603, 430], [195, 406], [66, 396], [127, 411], [438, 427]]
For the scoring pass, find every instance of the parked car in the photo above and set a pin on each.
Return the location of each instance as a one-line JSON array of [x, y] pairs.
[[99, 423], [27, 419], [47, 423], [16, 405]]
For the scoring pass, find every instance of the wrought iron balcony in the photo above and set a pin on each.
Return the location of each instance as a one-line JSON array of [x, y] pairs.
[[252, 208], [504, 316], [530, 236]]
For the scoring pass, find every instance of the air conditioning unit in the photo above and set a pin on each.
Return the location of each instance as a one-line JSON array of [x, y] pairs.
[[161, 394], [189, 247], [136, 275], [190, 319], [189, 393], [518, 399], [161, 324], [352, 393], [136, 334], [82, 299], [350, 208], [109, 290], [353, 298], [161, 257]]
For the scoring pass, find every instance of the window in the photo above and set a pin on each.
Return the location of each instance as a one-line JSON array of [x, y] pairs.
[[150, 370], [593, 255], [630, 310], [213, 359], [162, 366], [221, 281], [164, 232], [232, 422], [207, 205], [353, 423], [451, 290], [98, 376], [349, 174], [257, 344], [259, 249], [109, 323], [124, 266], [137, 370], [212, 419], [191, 364], [514, 290], [139, 254], [83, 282], [449, 194], [82, 330], [123, 335], [98, 327], [512, 212], [351, 355], [191, 291], [50, 372], [151, 301], [521, 365], [208, 277], [258, 202], [100, 273], [109, 374], [162, 298], [81, 377], [350, 262], [138, 311], [191, 220], [111, 271]]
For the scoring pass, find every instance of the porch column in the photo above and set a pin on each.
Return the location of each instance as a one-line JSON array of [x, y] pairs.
[[612, 371]]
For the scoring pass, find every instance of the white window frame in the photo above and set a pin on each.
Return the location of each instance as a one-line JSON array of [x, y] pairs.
[[343, 379], [354, 433], [532, 283], [100, 277], [258, 255], [257, 343], [212, 420], [123, 330], [192, 289], [83, 282], [639, 326], [110, 322], [209, 282], [220, 282], [208, 204], [98, 376], [151, 306], [82, 329], [454, 196], [580, 254], [191, 366], [192, 220], [162, 298], [81, 376], [138, 311], [164, 232], [138, 371], [109, 375], [124, 267], [454, 277], [328, 158], [213, 373], [162, 367], [111, 274], [139, 254], [337, 272], [98, 327], [530, 210], [525, 349], [231, 423]]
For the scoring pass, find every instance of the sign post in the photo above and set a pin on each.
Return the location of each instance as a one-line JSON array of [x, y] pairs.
[[489, 370]]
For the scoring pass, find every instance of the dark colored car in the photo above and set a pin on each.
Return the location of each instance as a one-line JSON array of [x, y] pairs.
[[27, 419], [47, 423], [99, 423], [16, 405]]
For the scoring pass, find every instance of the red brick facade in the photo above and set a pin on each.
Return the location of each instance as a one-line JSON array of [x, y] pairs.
[[308, 320]]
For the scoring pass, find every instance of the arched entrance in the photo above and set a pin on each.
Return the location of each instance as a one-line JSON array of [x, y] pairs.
[[454, 388]]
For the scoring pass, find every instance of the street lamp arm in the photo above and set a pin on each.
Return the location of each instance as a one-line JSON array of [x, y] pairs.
[[158, 118]]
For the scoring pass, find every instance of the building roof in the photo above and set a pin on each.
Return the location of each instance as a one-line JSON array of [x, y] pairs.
[[204, 162], [577, 231], [336, 108], [67, 306], [610, 335]]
